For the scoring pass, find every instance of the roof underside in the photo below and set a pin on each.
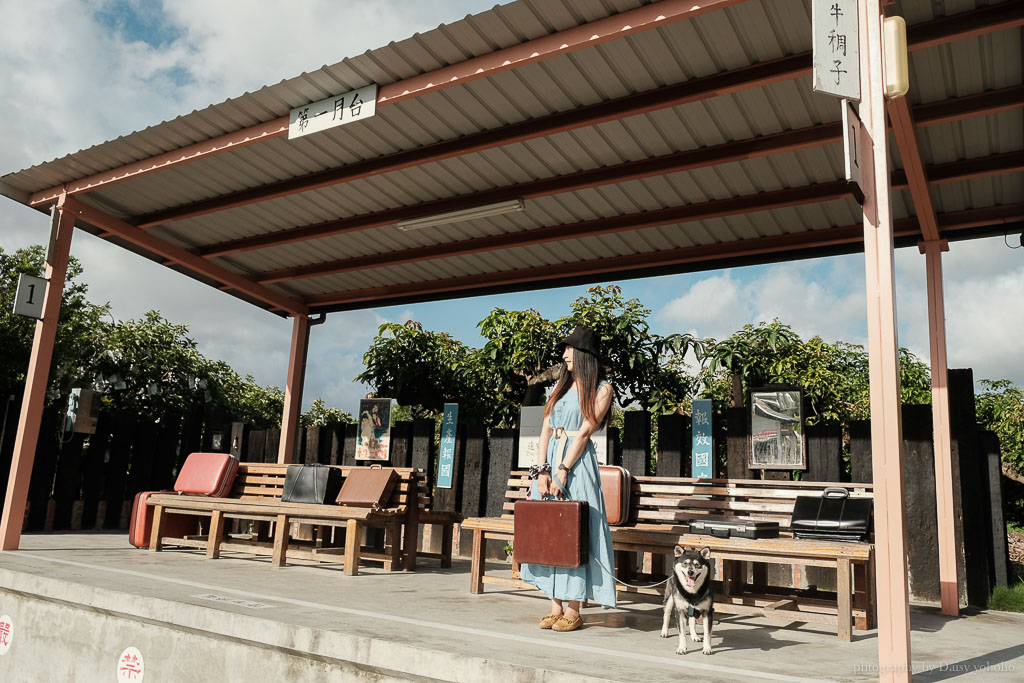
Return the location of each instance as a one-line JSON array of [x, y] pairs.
[[613, 185]]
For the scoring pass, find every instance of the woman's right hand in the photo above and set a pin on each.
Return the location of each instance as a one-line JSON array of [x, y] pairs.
[[544, 484]]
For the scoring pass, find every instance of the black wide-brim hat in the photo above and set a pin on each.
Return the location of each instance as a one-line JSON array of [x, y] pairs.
[[584, 339]]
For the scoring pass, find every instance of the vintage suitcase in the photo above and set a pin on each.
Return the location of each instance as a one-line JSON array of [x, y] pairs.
[[616, 485], [207, 474], [831, 516], [736, 527], [368, 487], [317, 484], [551, 532], [141, 522]]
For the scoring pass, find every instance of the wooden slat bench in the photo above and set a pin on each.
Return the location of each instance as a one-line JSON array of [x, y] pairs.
[[659, 510], [256, 496]]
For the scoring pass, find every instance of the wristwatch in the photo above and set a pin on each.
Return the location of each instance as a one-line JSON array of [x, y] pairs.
[[562, 466]]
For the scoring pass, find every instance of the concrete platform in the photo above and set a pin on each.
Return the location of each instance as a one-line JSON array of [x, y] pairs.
[[78, 600]]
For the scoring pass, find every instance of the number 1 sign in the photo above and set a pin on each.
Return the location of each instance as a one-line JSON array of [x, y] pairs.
[[29, 299]]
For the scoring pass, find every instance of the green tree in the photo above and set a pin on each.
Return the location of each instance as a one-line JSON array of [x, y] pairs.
[[1000, 408], [320, 415], [80, 330]]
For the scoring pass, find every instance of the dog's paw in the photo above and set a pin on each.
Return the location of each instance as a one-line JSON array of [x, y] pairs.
[[707, 648], [696, 637], [680, 650], [664, 633]]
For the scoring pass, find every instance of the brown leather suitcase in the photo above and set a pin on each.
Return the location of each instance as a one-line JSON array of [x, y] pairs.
[[368, 487], [141, 524], [616, 485], [551, 532]]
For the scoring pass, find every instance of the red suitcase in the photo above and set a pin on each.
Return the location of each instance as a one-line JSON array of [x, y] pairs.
[[207, 474], [141, 524], [616, 485]]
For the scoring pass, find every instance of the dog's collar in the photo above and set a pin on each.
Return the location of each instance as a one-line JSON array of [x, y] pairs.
[[690, 611]]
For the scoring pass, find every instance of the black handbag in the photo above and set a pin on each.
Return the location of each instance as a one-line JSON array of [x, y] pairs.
[[832, 516], [311, 484]]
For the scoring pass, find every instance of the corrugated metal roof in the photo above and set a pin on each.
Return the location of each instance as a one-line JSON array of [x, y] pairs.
[[740, 35]]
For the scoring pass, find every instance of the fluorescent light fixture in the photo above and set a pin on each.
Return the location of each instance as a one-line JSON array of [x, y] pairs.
[[462, 215]]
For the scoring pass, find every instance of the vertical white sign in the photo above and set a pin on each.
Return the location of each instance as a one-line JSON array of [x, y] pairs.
[[836, 48], [28, 300]]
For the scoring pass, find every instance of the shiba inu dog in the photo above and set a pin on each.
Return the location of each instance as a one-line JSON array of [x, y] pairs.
[[688, 596]]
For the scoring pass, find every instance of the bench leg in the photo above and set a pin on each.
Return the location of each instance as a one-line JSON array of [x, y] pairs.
[[844, 590], [216, 535], [353, 539], [157, 529], [280, 541], [393, 547], [476, 569], [447, 531]]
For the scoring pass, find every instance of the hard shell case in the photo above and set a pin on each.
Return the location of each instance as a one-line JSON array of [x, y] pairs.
[[141, 523], [207, 474], [734, 527], [551, 532], [616, 485], [833, 516]]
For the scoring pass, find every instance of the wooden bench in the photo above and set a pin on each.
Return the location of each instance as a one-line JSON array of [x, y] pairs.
[[256, 496], [659, 510]]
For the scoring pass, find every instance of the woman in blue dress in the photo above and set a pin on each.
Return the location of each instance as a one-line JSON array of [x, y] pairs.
[[567, 468]]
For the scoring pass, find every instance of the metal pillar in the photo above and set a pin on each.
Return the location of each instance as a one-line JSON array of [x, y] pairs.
[[62, 225], [293, 390], [948, 579], [883, 362]]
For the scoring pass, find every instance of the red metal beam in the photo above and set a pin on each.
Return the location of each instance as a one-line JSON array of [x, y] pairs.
[[851, 234], [906, 141], [762, 201], [755, 75], [559, 43], [976, 22], [182, 257], [670, 163]]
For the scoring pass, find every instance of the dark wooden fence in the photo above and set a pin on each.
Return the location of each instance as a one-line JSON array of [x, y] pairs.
[[90, 483]]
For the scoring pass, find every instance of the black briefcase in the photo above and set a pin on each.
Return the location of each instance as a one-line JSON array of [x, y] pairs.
[[734, 527], [311, 484], [832, 516]]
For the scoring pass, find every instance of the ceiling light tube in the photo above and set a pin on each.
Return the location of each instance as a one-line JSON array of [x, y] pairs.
[[462, 215]]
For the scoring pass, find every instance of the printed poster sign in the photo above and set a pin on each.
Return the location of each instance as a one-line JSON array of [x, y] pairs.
[[446, 463], [703, 440], [531, 418], [374, 436]]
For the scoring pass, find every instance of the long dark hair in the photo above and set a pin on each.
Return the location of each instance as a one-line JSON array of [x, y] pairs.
[[590, 372]]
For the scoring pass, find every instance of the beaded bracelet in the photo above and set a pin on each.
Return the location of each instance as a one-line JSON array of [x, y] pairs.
[[536, 470]]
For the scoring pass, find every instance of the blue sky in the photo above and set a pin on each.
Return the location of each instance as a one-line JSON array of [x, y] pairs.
[[114, 67]]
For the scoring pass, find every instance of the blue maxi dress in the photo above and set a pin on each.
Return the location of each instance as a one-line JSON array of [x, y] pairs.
[[593, 581]]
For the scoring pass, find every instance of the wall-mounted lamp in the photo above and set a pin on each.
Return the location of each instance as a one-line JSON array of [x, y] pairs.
[[462, 215], [896, 72]]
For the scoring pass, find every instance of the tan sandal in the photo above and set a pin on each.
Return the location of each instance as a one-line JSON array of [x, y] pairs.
[[549, 620], [566, 624]]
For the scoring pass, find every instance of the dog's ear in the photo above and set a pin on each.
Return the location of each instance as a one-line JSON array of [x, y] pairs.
[[705, 553], [678, 550]]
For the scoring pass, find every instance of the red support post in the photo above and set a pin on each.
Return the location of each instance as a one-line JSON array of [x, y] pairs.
[[36, 381], [293, 390]]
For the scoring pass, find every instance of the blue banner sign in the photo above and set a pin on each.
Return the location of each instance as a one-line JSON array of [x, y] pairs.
[[703, 440], [447, 461]]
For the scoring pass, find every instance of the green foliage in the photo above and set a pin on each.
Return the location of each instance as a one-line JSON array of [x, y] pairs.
[[80, 330], [1000, 408], [320, 415], [1008, 598]]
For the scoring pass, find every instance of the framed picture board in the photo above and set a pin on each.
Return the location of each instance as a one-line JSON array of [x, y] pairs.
[[373, 438], [777, 429], [531, 418]]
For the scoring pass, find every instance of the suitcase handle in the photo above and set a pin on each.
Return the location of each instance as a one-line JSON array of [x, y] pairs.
[[835, 492], [719, 533]]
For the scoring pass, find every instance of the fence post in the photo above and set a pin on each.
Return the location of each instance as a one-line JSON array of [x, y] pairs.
[[674, 446], [988, 445], [68, 481], [117, 470], [920, 501], [472, 480], [348, 453], [969, 476], [239, 443], [737, 444], [93, 468], [636, 442], [401, 444], [860, 451], [824, 452], [614, 446], [501, 459]]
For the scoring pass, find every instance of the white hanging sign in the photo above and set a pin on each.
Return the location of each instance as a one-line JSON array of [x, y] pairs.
[[28, 300], [334, 111], [836, 40]]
